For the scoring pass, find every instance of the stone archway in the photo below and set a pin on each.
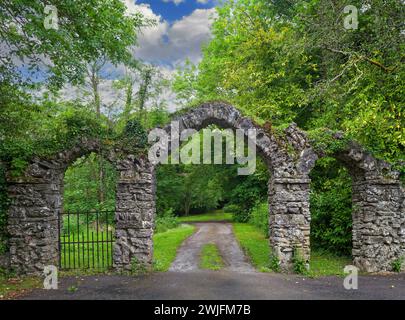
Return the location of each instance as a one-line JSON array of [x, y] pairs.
[[378, 218], [378, 235], [289, 160]]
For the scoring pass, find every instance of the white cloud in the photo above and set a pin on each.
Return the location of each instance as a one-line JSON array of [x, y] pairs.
[[176, 2], [203, 1], [173, 44], [164, 45]]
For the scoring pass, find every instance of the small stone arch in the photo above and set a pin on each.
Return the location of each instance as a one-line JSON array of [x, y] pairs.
[[378, 197], [378, 214]]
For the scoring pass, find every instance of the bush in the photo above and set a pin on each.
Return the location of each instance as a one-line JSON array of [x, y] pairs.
[[238, 213], [166, 221], [259, 217], [331, 207], [299, 265], [397, 264]]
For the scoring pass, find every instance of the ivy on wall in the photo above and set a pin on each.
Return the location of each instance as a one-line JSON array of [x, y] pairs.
[[3, 211]]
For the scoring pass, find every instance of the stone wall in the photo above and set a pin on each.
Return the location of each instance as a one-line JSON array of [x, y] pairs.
[[36, 201], [378, 214], [289, 220], [135, 213], [378, 224]]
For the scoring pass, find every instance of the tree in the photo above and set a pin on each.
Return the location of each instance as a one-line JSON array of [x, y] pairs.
[[86, 31]]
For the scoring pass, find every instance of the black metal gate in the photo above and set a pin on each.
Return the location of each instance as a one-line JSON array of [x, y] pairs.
[[86, 240]]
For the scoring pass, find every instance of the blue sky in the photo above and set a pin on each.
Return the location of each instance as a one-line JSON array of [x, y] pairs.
[[183, 28], [170, 11]]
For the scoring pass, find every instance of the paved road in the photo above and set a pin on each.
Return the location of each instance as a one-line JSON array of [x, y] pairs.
[[221, 234], [222, 285], [237, 281]]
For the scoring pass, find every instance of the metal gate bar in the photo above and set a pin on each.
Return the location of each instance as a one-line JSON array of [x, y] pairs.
[[86, 240]]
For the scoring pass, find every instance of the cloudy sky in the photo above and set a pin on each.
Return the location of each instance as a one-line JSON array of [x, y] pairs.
[[183, 26]]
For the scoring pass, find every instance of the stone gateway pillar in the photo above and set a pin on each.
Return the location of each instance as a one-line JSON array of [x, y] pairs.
[[378, 224], [289, 220], [135, 213], [36, 201]]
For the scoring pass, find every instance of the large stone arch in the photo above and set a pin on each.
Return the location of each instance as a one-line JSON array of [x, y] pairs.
[[378, 218], [289, 159]]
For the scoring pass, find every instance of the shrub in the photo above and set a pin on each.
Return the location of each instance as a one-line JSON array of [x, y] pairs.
[[331, 207], [166, 221], [238, 213], [259, 217], [299, 265], [138, 267], [397, 264], [274, 263]]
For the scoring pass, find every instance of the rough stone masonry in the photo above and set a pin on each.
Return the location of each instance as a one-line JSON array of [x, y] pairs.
[[378, 199]]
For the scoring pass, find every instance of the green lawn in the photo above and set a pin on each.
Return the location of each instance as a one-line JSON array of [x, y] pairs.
[[77, 255], [13, 287], [256, 247], [217, 215], [166, 245], [80, 251], [254, 244], [325, 264], [210, 257]]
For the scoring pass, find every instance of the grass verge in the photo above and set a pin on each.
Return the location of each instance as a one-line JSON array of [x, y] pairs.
[[254, 244], [13, 287], [166, 245], [323, 263], [217, 215], [256, 247], [210, 257]]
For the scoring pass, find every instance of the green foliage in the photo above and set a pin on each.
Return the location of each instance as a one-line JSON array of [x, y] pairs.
[[188, 188], [256, 247], [324, 141], [238, 214], [138, 267], [133, 137], [210, 257], [216, 215], [83, 187], [331, 209], [274, 263], [254, 244], [4, 202], [165, 245], [299, 264], [166, 221], [325, 263], [293, 61], [259, 217], [51, 129], [396, 265], [87, 31], [245, 191]]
